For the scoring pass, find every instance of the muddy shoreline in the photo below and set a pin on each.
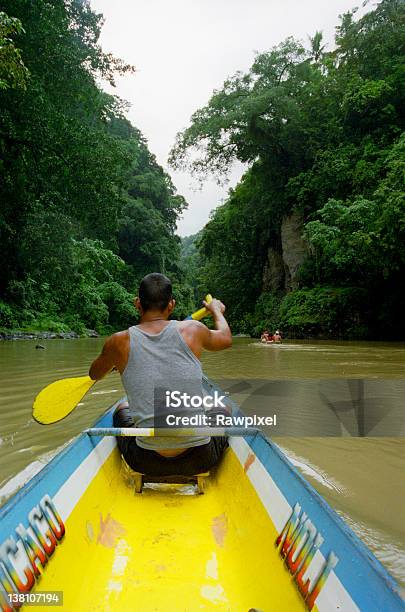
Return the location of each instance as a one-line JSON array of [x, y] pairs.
[[46, 335]]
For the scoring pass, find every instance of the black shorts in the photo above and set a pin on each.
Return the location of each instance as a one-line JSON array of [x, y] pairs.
[[194, 460]]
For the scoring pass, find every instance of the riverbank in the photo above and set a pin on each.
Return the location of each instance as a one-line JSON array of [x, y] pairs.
[[68, 335], [46, 335]]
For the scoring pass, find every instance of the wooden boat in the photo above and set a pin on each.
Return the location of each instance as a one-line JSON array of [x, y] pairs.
[[260, 538]]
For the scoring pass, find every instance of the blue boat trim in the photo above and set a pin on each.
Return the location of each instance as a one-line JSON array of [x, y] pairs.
[[338, 535], [365, 579], [50, 479]]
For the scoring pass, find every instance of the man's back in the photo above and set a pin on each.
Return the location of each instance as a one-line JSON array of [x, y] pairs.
[[195, 334], [158, 364], [154, 348]]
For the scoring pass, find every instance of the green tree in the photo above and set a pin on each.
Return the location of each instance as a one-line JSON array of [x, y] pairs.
[[321, 133], [13, 73], [85, 208]]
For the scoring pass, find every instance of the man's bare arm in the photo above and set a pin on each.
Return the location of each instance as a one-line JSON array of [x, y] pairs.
[[221, 337], [106, 361]]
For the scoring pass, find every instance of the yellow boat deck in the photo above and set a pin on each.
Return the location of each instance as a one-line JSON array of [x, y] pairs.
[[169, 549]]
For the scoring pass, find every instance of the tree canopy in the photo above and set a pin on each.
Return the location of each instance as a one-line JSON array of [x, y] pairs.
[[322, 133], [86, 210]]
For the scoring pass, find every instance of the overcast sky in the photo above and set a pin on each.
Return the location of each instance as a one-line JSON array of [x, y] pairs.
[[183, 50]]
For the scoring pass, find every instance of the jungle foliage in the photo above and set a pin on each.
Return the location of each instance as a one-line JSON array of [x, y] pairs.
[[322, 133], [85, 210]]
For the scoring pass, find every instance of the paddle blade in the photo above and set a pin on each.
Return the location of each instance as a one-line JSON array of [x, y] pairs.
[[58, 399]]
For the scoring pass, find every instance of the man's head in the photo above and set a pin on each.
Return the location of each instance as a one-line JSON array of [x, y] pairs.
[[155, 294]]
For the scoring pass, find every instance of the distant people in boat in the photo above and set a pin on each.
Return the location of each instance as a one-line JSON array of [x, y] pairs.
[[154, 355], [266, 337]]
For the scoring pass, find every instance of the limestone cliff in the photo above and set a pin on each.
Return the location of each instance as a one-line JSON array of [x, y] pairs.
[[281, 269], [274, 272], [294, 248]]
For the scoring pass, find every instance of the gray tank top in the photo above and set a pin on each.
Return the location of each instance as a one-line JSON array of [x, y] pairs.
[[159, 362]]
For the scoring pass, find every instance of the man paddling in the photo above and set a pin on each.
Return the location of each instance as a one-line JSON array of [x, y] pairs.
[[160, 353]]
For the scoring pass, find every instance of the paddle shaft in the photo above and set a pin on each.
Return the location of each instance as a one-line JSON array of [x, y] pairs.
[[202, 312], [130, 432]]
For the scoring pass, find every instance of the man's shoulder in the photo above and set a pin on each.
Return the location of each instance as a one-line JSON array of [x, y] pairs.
[[191, 325], [117, 340], [117, 336]]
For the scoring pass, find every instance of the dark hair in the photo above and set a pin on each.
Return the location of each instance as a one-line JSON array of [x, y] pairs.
[[155, 292]]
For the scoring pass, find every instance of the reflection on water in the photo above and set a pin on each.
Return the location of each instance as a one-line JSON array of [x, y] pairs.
[[362, 478], [24, 371], [325, 407]]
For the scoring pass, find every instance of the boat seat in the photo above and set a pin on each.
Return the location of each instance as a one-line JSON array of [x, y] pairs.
[[198, 479], [139, 479]]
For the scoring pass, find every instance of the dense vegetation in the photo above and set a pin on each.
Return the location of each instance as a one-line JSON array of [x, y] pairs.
[[85, 209], [322, 132]]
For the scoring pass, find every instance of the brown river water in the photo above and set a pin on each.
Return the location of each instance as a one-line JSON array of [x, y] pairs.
[[312, 386]]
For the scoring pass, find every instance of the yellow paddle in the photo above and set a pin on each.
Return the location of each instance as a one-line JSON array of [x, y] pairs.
[[57, 400], [203, 312]]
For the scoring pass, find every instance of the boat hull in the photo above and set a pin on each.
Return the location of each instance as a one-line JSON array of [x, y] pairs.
[[260, 538]]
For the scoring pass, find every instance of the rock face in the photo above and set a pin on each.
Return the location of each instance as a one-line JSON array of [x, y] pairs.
[[294, 248], [274, 272], [91, 333], [281, 269]]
